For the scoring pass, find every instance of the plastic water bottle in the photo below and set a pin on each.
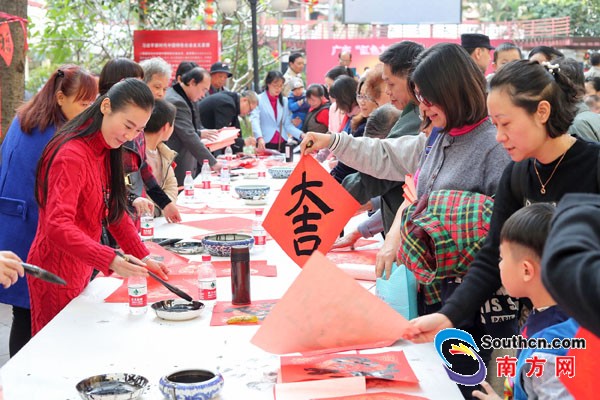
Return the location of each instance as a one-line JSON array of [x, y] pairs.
[[147, 226], [225, 178], [138, 295], [262, 170], [207, 282], [258, 232], [205, 175], [188, 187], [228, 153]]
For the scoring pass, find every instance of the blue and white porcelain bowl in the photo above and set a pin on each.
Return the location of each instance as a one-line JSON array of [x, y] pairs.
[[280, 172], [191, 384], [252, 192], [220, 244]]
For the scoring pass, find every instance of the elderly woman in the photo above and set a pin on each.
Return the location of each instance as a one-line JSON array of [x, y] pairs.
[[157, 74]]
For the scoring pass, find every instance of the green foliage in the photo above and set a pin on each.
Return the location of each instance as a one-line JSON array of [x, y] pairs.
[[90, 32], [585, 14]]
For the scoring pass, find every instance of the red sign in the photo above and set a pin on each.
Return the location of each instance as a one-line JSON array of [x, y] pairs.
[[174, 47], [322, 54], [310, 211]]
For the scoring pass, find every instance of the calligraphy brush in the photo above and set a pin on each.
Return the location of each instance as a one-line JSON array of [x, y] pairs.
[[171, 288], [41, 273]]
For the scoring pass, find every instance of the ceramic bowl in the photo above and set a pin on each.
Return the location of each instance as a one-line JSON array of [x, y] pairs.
[[177, 309], [116, 386], [192, 384], [220, 244], [280, 172], [252, 192], [184, 247]]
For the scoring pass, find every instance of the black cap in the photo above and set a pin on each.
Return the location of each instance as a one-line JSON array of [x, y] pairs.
[[475, 40], [220, 67], [240, 253]]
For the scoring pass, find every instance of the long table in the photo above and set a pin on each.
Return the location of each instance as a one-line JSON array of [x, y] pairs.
[[90, 337]]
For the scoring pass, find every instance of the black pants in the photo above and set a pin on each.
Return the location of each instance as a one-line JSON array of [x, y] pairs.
[[20, 331]]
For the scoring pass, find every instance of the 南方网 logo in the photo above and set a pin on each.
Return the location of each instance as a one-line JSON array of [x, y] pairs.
[[467, 348]]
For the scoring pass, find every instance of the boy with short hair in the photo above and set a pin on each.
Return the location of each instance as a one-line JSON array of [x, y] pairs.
[[160, 157], [522, 241]]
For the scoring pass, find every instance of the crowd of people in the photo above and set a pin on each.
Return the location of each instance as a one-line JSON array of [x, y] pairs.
[[85, 158]]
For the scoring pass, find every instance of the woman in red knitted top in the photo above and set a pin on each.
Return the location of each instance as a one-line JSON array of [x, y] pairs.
[[79, 184]]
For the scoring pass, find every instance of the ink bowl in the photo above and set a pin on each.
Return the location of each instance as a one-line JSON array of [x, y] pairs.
[[177, 309], [196, 384], [114, 386], [186, 247], [219, 245], [280, 172], [252, 192]]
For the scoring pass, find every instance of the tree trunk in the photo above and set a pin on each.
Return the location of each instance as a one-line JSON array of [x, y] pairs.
[[12, 74]]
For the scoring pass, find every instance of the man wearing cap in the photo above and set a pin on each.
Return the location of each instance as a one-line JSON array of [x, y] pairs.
[[219, 72], [478, 46]]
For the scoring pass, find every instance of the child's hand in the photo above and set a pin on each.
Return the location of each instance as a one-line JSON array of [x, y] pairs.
[[490, 395]]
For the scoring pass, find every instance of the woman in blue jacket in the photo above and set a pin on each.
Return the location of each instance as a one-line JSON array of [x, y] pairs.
[[272, 119], [69, 91]]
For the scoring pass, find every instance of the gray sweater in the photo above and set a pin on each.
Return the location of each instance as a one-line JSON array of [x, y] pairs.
[[473, 161]]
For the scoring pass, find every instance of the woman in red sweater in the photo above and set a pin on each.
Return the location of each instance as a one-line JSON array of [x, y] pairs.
[[80, 184]]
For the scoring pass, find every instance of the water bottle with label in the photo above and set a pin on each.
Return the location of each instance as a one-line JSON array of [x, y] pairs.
[[205, 175], [188, 187], [228, 153], [225, 178], [147, 226], [262, 170], [138, 294], [207, 282], [258, 232]]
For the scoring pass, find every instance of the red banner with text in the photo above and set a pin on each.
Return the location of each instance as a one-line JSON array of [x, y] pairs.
[[174, 47]]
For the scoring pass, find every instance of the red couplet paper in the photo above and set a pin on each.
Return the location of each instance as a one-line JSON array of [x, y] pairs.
[[366, 257], [156, 291], [310, 211], [257, 268], [224, 310], [377, 396], [391, 365], [171, 260], [226, 137], [222, 225], [317, 310], [586, 367], [210, 210]]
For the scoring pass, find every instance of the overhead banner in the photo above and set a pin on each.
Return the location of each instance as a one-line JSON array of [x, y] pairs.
[[202, 47]]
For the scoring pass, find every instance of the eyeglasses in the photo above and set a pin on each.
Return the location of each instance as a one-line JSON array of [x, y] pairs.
[[422, 99], [364, 97]]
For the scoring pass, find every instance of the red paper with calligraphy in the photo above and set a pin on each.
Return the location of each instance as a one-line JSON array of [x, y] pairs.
[[7, 47], [391, 365], [225, 310], [310, 211]]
